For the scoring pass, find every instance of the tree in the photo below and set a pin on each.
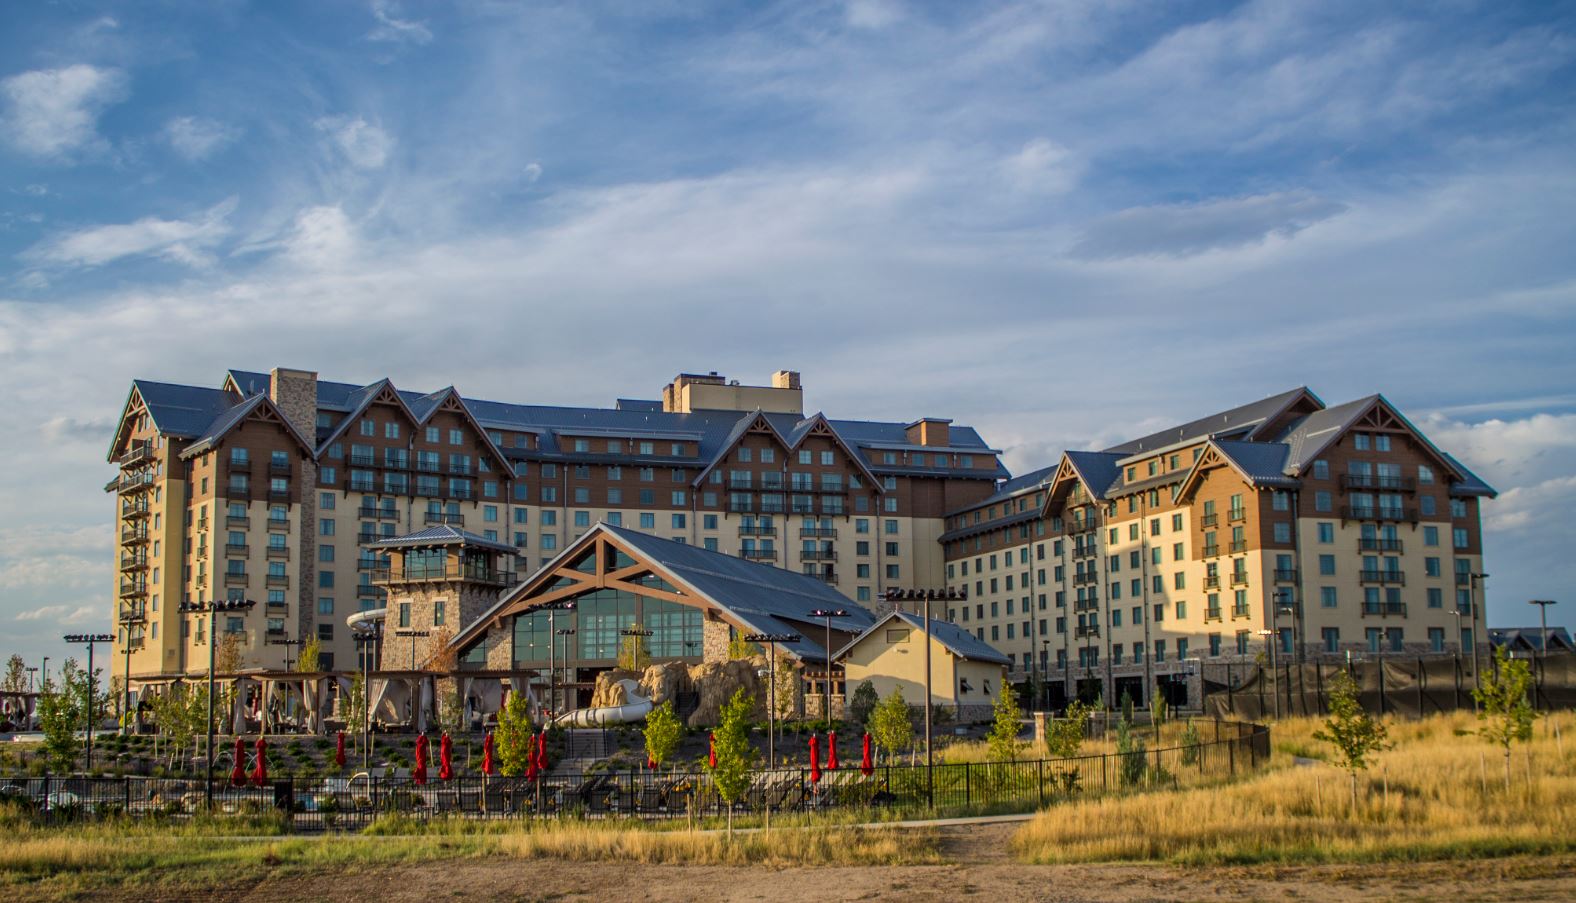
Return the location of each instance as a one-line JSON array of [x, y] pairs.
[[789, 679], [864, 702], [231, 653], [741, 648], [663, 732], [890, 725], [633, 654], [514, 735], [1003, 739], [1130, 761], [310, 660], [15, 680], [735, 753], [59, 717], [1504, 705], [1354, 733], [1065, 736], [356, 704]]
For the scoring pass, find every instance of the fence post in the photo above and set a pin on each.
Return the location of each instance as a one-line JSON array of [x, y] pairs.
[[1231, 756], [1040, 770], [1230, 692], [968, 783], [1422, 684], [127, 811], [1456, 673], [1380, 665]]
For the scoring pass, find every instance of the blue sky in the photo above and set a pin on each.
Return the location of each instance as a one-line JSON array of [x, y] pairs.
[[1064, 223]]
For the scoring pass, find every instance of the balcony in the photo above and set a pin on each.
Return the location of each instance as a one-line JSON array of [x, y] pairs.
[[1212, 581], [363, 485], [817, 555], [373, 512], [133, 510], [372, 564], [757, 530], [1212, 614], [1081, 526], [1086, 630], [134, 535], [279, 495], [133, 562], [1237, 514], [460, 470], [238, 522], [1384, 609], [423, 466], [441, 517], [1239, 545], [365, 537], [1382, 513], [133, 590], [134, 483], [139, 453], [395, 463], [243, 493], [743, 485], [1286, 575], [278, 580], [276, 469], [1239, 611], [236, 548], [1369, 481], [1386, 577], [817, 532], [278, 523], [277, 606], [132, 614], [1370, 544], [280, 552], [738, 507], [460, 493], [759, 554], [451, 570], [1465, 608], [202, 525], [1212, 551], [1463, 579], [201, 553], [773, 506], [234, 578], [1239, 578], [275, 635], [1209, 520], [1083, 578]]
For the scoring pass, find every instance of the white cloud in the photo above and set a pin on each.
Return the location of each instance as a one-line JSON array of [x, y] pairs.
[[1181, 230], [392, 29], [321, 237], [52, 112], [182, 241], [195, 138], [64, 614], [533, 171], [873, 14], [365, 145], [1042, 166]]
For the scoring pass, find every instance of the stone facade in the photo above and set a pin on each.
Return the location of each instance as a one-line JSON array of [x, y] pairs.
[[715, 637]]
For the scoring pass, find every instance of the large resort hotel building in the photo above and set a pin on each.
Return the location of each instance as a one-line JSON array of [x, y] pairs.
[[1331, 528]]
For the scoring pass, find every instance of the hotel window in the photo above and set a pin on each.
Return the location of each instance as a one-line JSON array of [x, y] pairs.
[[1459, 536], [325, 553], [582, 495], [549, 493], [456, 437], [679, 497], [1214, 645], [391, 430], [1327, 597], [1323, 501], [1425, 474], [1283, 532], [1381, 442], [828, 459], [648, 521], [1425, 505], [615, 496], [892, 572], [615, 519], [368, 428], [1332, 639], [583, 446], [438, 612], [433, 434], [1321, 469], [549, 542], [521, 540], [1360, 441], [648, 448], [1436, 597], [891, 527]]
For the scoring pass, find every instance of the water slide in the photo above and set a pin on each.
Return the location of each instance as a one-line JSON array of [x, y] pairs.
[[636, 708]]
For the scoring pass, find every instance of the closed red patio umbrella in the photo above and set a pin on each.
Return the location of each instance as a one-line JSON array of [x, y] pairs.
[[530, 758], [260, 769], [541, 751], [867, 766], [445, 758], [238, 773], [419, 773], [711, 755], [815, 759], [831, 750], [487, 755], [339, 749]]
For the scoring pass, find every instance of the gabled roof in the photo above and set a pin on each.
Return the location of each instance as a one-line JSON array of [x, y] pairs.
[[441, 535], [1241, 420], [1308, 436], [1099, 471], [1262, 463], [235, 416], [1034, 479], [953, 638], [1470, 483], [1531, 637], [791, 431], [761, 597], [359, 401]]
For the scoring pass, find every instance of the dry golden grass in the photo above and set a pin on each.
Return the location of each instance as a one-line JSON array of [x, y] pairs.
[[781, 846], [1439, 794]]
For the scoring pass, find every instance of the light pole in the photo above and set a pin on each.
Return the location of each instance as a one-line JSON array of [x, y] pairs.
[[828, 614], [1475, 582], [1274, 681], [1289, 610], [405, 631], [1543, 650], [287, 643], [566, 633], [633, 631], [125, 717], [926, 596], [771, 640], [367, 641], [89, 640], [30, 673], [45, 679], [553, 608], [212, 609], [1045, 668]]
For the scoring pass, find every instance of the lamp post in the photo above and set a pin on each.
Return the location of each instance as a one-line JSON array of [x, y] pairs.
[[828, 614], [212, 609], [287, 643], [1543, 651], [771, 640], [30, 673], [553, 608], [926, 596], [1045, 667], [566, 633], [366, 642], [1475, 582], [1268, 634], [1290, 610], [89, 640], [45, 678], [413, 634], [125, 717]]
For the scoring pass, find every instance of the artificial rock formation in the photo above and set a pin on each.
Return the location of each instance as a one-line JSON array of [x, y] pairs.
[[716, 682]]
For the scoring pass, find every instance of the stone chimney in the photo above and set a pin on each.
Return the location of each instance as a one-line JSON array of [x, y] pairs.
[[785, 379], [295, 392], [930, 431]]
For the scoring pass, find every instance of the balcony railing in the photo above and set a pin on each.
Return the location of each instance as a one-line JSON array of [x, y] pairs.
[[134, 535], [817, 555], [1239, 578], [132, 614], [234, 578], [1370, 481], [279, 552], [278, 580], [202, 525], [774, 506], [134, 482], [1391, 578], [279, 495], [1085, 577], [373, 512], [1086, 605], [1212, 581], [364, 537], [743, 485], [363, 485], [236, 548], [1370, 544], [133, 590], [134, 510], [1086, 630], [238, 492], [443, 517], [817, 532], [758, 554], [280, 470], [461, 470], [363, 460], [1239, 611], [757, 530], [135, 455], [1384, 609], [1209, 520], [133, 562], [738, 507], [278, 523], [233, 521], [277, 605], [447, 571], [201, 552], [372, 564], [1237, 514], [825, 576], [1239, 545], [1212, 614], [1212, 551], [1285, 575], [1463, 579], [459, 493], [804, 506], [1381, 513]]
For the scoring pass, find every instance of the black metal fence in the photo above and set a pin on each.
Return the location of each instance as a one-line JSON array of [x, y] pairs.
[[1224, 750]]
